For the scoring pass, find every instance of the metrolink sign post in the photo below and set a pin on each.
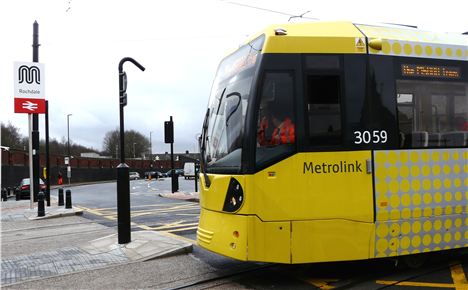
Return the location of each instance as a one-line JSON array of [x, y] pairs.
[[29, 99], [29, 87]]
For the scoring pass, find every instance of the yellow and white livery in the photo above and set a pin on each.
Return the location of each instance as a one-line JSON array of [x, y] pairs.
[[377, 166]]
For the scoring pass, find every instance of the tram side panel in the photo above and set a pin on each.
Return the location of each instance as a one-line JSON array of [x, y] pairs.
[[327, 197], [421, 200], [311, 207]]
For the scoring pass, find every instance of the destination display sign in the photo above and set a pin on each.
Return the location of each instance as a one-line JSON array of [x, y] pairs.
[[430, 71]]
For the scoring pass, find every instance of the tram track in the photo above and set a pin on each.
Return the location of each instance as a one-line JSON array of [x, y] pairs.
[[230, 274], [408, 275], [378, 280]]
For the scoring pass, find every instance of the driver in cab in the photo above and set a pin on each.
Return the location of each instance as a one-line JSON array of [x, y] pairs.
[[275, 127]]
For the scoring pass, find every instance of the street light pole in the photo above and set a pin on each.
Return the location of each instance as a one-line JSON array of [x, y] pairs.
[[68, 134], [151, 147], [68, 145], [134, 150], [123, 180]]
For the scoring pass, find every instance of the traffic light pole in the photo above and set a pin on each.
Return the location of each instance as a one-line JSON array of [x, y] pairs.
[[123, 180], [169, 138]]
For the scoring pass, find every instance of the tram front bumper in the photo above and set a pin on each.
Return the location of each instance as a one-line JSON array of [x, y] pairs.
[[244, 237]]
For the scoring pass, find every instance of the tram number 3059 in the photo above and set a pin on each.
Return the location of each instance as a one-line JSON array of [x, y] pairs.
[[366, 137]]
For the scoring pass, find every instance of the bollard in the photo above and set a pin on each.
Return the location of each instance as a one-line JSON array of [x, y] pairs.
[[40, 204], [17, 194], [60, 196], [4, 194], [68, 202]]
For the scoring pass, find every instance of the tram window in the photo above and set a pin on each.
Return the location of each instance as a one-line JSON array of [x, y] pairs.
[[432, 113], [405, 112], [324, 109], [276, 119]]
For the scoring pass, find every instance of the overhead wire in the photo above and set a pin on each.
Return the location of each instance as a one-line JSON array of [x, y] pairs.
[[291, 16]]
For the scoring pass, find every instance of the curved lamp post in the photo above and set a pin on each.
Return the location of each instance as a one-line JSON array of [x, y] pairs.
[[123, 180]]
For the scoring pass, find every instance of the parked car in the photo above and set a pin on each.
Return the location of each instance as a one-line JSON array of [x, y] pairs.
[[179, 172], [134, 175], [154, 174], [23, 189]]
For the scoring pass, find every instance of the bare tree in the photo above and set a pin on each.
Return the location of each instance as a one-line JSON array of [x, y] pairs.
[[136, 144], [11, 136]]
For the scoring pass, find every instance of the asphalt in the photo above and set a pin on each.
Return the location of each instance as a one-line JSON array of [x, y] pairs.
[[64, 250]]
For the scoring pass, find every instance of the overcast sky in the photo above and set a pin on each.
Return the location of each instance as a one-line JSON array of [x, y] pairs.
[[179, 42]]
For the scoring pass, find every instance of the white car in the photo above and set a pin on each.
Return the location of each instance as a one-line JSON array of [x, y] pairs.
[[134, 175]]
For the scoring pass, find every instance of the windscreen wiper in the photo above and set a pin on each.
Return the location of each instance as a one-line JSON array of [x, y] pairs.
[[202, 145], [238, 95]]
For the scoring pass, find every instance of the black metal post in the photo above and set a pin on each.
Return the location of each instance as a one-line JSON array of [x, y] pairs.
[[195, 168], [173, 177], [35, 119], [47, 153], [68, 149], [68, 199], [123, 180], [60, 196], [4, 194], [40, 204]]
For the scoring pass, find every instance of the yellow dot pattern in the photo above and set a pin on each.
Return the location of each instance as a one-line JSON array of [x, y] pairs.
[[399, 41], [425, 50], [421, 200]]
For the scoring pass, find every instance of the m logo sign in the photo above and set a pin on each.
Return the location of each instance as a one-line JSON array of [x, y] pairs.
[[29, 80], [29, 74]]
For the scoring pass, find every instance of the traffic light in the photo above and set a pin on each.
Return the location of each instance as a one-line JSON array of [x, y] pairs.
[[169, 131]]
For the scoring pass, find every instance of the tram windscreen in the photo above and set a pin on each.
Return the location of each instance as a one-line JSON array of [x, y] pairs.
[[228, 106]]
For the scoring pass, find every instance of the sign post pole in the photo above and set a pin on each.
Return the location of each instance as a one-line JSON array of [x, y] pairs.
[[123, 182], [29, 98], [35, 122], [31, 184]]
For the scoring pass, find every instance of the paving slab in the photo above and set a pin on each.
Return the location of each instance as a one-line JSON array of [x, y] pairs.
[[21, 210], [21, 229]]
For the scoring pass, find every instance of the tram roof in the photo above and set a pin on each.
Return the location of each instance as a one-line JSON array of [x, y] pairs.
[[348, 37]]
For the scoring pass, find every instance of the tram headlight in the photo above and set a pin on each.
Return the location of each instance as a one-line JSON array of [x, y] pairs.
[[234, 196]]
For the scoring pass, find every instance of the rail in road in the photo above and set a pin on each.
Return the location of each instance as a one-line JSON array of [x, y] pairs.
[[450, 275]]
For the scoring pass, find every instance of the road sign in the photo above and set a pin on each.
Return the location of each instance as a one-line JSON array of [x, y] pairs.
[[29, 80], [30, 106]]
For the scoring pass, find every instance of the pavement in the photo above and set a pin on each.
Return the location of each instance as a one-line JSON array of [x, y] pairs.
[[44, 252]]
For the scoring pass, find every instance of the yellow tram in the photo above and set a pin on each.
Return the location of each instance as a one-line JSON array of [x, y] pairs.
[[374, 160]]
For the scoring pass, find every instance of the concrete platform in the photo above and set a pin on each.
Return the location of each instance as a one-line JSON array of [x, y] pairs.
[[144, 245]]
